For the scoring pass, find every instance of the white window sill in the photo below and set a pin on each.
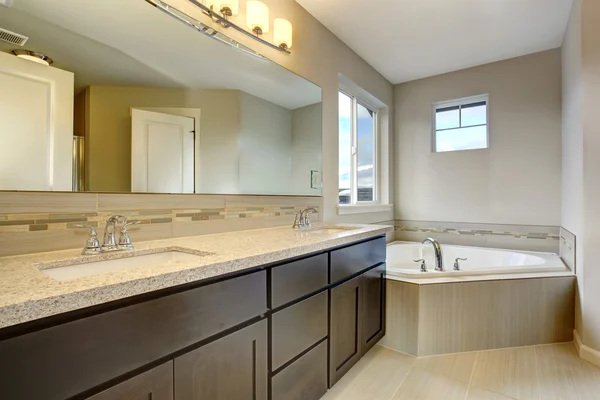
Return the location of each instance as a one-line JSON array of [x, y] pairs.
[[349, 209]]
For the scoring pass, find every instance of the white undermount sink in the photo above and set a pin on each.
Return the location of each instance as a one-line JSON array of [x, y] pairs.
[[91, 267]]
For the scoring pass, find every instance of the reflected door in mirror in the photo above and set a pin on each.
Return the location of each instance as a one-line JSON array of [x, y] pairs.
[[36, 125], [162, 153]]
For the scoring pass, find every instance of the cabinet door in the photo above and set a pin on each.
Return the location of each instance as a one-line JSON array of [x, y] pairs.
[[156, 384], [373, 303], [231, 368], [345, 328]]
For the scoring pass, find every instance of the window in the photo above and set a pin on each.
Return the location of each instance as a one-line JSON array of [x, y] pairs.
[[461, 124], [358, 151]]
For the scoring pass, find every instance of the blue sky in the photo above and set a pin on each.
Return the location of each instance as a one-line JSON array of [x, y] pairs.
[[365, 144]]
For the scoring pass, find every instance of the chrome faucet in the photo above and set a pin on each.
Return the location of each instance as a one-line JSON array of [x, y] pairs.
[[439, 261], [110, 241], [92, 245], [302, 220]]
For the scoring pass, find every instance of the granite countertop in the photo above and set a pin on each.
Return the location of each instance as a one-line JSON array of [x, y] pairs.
[[27, 294]]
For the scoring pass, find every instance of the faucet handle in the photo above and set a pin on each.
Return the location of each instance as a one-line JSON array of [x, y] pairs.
[[125, 240], [297, 220], [134, 222], [92, 244], [456, 264], [423, 265]]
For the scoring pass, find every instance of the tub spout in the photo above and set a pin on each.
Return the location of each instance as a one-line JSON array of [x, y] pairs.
[[439, 261]]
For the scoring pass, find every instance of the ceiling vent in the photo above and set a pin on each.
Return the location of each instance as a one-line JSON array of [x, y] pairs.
[[12, 37]]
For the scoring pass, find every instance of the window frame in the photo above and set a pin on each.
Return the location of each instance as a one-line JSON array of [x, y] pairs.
[[460, 102], [360, 100]]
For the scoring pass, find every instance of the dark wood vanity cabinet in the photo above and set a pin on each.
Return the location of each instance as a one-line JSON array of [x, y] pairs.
[[357, 305], [345, 328], [231, 368], [156, 384], [281, 332], [373, 307]]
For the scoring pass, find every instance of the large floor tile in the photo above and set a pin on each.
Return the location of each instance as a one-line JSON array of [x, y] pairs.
[[482, 394], [454, 366], [564, 376], [509, 372], [376, 377], [424, 385]]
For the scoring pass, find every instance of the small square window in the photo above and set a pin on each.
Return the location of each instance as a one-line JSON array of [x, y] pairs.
[[461, 124]]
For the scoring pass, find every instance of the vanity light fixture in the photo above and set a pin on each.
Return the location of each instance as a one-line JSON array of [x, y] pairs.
[[33, 56], [283, 29], [257, 20], [257, 17]]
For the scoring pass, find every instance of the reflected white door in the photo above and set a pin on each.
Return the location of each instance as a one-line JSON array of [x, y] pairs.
[[36, 126], [162, 153]]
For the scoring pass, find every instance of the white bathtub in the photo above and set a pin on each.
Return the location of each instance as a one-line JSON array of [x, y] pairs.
[[481, 262]]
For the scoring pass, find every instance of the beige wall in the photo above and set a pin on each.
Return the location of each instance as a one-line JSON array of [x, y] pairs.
[[319, 56], [108, 142], [591, 172], [265, 146], [581, 161], [306, 147], [245, 142], [515, 181], [572, 212]]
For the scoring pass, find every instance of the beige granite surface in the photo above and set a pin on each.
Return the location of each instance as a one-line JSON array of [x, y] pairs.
[[27, 294]]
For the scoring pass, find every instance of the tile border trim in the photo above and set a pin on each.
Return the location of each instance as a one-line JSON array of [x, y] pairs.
[[430, 227], [24, 222]]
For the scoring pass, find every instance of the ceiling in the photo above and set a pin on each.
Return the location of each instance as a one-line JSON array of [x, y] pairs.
[[131, 43], [411, 39]]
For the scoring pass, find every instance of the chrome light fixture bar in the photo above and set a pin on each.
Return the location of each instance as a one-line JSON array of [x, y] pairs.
[[226, 23], [203, 28]]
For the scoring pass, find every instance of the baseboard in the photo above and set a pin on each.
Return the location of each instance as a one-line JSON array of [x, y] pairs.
[[577, 342], [586, 353]]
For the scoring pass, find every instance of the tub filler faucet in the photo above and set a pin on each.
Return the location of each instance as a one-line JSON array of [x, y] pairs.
[[439, 261]]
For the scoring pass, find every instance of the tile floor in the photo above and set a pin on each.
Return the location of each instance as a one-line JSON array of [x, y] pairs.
[[545, 372]]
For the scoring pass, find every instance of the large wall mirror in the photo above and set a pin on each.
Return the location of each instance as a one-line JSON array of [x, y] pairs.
[[136, 101]]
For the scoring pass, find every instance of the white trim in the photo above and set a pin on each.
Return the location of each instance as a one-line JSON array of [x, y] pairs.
[[359, 96], [586, 353], [347, 209], [460, 102]]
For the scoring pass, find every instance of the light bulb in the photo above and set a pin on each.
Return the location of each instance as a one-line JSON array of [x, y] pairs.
[[282, 33], [257, 17]]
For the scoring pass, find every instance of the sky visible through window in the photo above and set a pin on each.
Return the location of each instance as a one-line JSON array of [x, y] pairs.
[[365, 151], [461, 129]]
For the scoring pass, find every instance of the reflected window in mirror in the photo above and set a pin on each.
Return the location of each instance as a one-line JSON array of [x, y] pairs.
[[358, 137]]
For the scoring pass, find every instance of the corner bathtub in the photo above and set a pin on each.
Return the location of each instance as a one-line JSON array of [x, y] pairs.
[[481, 263]]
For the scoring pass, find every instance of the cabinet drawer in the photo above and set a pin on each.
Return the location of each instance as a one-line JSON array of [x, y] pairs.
[[351, 260], [297, 328], [305, 378], [68, 359], [296, 279], [156, 384]]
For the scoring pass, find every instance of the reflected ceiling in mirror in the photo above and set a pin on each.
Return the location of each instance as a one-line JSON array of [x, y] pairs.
[[138, 101]]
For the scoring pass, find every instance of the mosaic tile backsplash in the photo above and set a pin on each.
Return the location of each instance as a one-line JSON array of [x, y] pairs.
[[568, 248], [48, 221], [37, 222], [517, 237]]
